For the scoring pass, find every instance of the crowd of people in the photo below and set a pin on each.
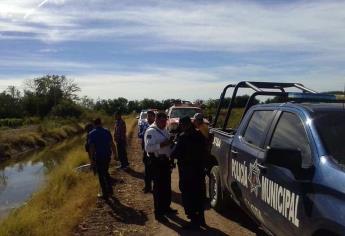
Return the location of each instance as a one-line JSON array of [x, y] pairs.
[[161, 151]]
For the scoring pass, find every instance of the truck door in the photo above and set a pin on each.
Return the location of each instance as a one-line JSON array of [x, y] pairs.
[[282, 197], [247, 145]]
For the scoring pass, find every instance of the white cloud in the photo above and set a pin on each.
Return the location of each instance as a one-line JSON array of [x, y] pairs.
[[222, 26], [313, 28]]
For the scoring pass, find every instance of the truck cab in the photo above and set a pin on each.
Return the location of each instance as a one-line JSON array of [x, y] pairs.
[[284, 164], [178, 111]]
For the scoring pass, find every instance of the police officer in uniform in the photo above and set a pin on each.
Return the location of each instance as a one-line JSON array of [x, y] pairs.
[[158, 146], [146, 159], [190, 151]]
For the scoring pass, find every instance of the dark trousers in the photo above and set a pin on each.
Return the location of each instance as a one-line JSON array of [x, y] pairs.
[[161, 173], [148, 171], [122, 152], [102, 166], [193, 192]]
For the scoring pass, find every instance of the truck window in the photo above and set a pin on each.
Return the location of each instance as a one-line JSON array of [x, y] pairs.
[[255, 132], [182, 112], [290, 134], [331, 128]]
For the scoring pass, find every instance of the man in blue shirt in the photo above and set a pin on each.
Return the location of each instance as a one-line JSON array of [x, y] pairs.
[[101, 147], [146, 159]]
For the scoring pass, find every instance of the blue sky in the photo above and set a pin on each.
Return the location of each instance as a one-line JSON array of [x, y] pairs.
[[172, 49]]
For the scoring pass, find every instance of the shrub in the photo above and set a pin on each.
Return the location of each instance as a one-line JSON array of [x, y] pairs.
[[12, 123], [66, 109]]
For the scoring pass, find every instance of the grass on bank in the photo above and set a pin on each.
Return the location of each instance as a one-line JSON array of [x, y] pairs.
[[61, 204], [42, 133], [16, 141]]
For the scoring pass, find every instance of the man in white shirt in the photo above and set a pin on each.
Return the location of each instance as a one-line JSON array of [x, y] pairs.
[[158, 146]]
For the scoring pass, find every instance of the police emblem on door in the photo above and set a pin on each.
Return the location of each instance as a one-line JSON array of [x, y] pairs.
[[254, 178]]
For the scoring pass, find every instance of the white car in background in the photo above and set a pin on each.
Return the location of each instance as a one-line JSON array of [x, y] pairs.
[[142, 117]]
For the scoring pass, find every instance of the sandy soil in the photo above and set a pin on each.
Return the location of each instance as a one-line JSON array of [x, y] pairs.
[[131, 211]]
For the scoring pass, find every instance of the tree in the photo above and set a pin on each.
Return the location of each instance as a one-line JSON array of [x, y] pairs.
[[87, 102], [13, 92], [11, 106], [66, 109], [48, 91]]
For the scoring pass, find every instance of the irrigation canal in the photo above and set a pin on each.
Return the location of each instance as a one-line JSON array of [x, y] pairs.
[[21, 177]]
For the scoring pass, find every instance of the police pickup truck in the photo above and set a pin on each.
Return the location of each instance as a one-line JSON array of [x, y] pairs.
[[285, 163]]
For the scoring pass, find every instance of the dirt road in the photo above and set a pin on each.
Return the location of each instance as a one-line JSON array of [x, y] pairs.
[[131, 211]]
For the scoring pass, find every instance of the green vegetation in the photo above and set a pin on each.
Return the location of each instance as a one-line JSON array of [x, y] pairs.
[[60, 205], [55, 96], [127, 107]]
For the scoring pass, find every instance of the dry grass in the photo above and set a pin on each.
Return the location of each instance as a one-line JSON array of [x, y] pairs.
[[60, 205]]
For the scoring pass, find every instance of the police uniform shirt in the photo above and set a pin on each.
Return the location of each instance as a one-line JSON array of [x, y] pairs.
[[153, 138]]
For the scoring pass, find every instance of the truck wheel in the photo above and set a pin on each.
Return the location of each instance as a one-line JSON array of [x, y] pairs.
[[215, 189]]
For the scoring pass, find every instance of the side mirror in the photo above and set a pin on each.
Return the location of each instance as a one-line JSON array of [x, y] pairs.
[[287, 158]]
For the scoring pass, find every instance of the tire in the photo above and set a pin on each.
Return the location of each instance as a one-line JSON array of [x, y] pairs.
[[215, 189]]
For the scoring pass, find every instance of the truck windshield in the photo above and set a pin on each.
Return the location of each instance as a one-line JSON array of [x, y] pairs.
[[182, 112], [331, 127]]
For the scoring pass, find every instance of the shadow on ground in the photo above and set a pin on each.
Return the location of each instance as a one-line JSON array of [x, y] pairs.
[[232, 212], [126, 214], [176, 223], [134, 173]]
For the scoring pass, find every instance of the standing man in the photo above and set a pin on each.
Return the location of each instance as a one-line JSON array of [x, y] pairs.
[[121, 140], [101, 146], [190, 151], [146, 159], [158, 146]]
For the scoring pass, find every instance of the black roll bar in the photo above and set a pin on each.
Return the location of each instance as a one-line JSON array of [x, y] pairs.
[[258, 88]]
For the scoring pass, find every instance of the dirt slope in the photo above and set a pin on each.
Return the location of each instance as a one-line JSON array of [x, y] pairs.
[[131, 211]]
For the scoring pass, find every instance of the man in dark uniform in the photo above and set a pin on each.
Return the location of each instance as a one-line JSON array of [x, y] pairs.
[[190, 151], [88, 128], [146, 159], [101, 147], [158, 146], [120, 137]]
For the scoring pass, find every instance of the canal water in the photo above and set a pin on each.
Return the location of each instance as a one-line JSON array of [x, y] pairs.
[[21, 177]]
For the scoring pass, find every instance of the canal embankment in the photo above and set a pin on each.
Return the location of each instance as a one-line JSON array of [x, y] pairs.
[[14, 142], [62, 200]]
